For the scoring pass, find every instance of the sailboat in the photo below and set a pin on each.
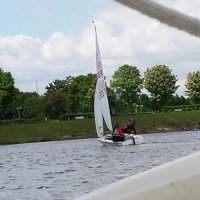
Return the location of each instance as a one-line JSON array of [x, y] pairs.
[[102, 110]]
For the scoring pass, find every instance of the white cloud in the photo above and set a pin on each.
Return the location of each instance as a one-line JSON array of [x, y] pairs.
[[58, 48], [125, 37]]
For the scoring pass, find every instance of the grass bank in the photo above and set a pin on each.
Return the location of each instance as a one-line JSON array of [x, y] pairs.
[[74, 129]]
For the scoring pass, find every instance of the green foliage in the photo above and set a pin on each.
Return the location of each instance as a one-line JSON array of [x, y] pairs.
[[145, 102], [161, 84], [72, 95], [7, 94], [57, 85], [57, 103], [178, 100], [112, 100], [65, 98], [71, 116], [57, 97], [82, 90], [127, 84], [193, 86], [31, 105], [182, 107]]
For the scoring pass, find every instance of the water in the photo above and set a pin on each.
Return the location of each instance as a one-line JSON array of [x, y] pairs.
[[69, 169]]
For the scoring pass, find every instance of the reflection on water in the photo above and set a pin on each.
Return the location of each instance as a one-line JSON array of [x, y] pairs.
[[68, 169]]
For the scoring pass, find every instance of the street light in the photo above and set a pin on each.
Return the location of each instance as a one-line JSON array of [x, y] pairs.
[[18, 110]]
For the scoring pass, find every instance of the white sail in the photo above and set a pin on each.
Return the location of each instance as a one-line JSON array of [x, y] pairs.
[[98, 114], [101, 106]]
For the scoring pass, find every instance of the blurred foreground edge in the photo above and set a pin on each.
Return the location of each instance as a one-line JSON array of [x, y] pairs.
[[165, 15], [178, 179]]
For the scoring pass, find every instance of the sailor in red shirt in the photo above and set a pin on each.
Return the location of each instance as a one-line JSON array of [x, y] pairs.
[[118, 134]]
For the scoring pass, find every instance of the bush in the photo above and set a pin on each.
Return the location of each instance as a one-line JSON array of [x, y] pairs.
[[182, 107], [71, 116]]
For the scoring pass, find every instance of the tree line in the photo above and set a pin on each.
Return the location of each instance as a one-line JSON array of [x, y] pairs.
[[76, 94]]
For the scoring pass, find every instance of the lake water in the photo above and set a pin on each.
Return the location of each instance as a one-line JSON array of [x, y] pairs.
[[68, 169]]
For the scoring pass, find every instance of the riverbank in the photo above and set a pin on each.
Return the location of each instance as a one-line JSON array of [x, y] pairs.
[[85, 128]]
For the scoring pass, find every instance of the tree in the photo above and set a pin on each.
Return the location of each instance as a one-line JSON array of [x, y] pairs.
[[161, 84], [30, 105], [127, 84], [77, 94], [57, 103], [178, 100], [57, 85], [193, 86], [7, 94], [81, 93], [57, 97], [112, 100], [145, 102]]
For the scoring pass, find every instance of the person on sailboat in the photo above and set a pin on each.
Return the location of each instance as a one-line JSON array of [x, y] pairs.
[[130, 127], [118, 134]]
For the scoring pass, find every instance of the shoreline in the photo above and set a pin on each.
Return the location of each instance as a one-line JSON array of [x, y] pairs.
[[75, 137]]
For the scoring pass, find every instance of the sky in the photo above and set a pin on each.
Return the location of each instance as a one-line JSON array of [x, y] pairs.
[[45, 40]]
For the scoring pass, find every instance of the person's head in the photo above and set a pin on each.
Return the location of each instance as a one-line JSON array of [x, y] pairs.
[[130, 119], [116, 125]]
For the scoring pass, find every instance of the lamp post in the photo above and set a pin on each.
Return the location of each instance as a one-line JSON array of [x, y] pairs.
[[18, 110]]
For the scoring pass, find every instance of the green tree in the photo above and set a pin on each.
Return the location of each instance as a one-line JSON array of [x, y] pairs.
[[57, 97], [161, 84], [145, 102], [178, 100], [127, 84], [193, 86], [77, 94], [7, 94], [112, 100], [81, 93], [57, 103], [30, 105], [58, 85]]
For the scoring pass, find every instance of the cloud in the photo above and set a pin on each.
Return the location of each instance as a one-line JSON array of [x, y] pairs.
[[32, 60], [58, 48], [147, 42], [125, 37]]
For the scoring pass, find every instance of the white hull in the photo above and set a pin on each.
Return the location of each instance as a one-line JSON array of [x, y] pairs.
[[130, 139], [176, 180]]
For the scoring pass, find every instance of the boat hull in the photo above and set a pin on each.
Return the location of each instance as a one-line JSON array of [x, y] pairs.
[[177, 180], [130, 139]]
